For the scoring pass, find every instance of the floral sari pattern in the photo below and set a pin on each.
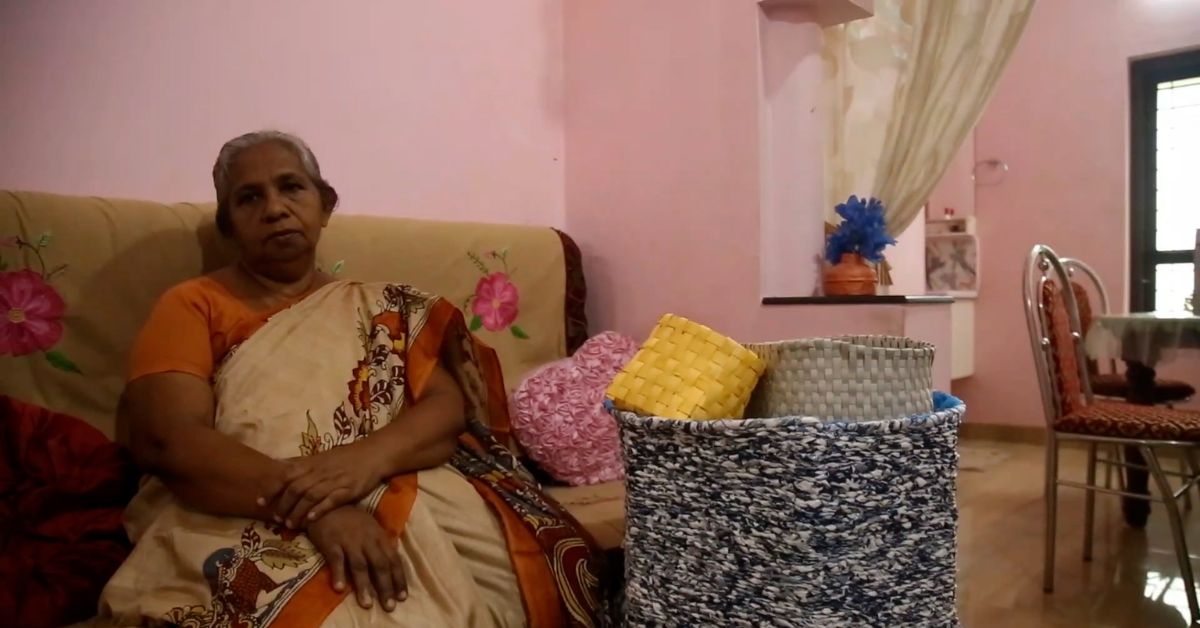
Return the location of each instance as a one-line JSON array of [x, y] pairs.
[[265, 574]]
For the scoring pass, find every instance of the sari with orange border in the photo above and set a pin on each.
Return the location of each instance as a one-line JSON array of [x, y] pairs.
[[482, 545]]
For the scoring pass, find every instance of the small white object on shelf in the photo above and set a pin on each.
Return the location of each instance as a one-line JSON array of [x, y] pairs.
[[943, 226]]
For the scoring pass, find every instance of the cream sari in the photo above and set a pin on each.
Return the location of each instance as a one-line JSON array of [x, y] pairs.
[[482, 546]]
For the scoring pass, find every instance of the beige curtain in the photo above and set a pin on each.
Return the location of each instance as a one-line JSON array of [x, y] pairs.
[[905, 87]]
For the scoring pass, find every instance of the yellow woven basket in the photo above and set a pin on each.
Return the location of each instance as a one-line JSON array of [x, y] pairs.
[[687, 371]]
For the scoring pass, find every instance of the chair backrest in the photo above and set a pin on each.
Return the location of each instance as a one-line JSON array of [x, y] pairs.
[[1086, 283], [1055, 334]]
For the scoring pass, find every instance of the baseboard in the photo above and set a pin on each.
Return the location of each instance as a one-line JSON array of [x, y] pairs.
[[1025, 434]]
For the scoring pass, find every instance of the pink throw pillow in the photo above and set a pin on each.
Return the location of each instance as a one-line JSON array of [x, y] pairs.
[[559, 417]]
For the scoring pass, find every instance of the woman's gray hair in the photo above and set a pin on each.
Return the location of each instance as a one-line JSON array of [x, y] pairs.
[[234, 147]]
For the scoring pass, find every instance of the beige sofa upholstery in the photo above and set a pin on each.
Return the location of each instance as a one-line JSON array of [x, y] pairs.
[[110, 259]]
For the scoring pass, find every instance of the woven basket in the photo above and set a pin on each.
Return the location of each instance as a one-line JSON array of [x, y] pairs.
[[687, 371], [791, 521], [845, 378]]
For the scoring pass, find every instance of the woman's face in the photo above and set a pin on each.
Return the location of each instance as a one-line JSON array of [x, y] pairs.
[[276, 212]]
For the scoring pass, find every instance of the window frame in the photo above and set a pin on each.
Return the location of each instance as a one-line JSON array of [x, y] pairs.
[[1144, 77]]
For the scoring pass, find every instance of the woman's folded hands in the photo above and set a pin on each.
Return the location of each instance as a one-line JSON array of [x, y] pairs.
[[361, 552], [312, 486], [421, 436], [319, 494]]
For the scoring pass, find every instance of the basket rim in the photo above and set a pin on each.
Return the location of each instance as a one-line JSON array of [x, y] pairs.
[[922, 420], [802, 343]]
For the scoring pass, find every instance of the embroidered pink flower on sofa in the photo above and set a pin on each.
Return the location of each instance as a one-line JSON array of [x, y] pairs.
[[495, 302], [30, 313]]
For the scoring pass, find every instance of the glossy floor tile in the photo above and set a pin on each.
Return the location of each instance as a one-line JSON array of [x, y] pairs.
[[1133, 579]]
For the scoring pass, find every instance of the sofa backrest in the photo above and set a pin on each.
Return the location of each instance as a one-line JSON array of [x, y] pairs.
[[109, 260]]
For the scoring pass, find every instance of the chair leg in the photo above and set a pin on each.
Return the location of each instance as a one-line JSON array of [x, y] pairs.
[[1177, 535], [1120, 456], [1184, 464], [1051, 510], [1112, 458], [1109, 457], [1193, 465], [1089, 505]]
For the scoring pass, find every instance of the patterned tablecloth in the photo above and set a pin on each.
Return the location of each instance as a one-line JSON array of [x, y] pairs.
[[1147, 337]]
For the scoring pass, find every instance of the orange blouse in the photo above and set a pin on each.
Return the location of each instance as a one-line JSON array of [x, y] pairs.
[[192, 327]]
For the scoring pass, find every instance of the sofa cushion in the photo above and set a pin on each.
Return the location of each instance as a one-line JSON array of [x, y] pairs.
[[63, 488], [559, 418], [599, 508]]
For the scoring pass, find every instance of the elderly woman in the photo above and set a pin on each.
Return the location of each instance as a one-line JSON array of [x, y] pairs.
[[321, 452]]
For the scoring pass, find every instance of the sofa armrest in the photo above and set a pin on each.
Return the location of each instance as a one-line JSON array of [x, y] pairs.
[[575, 307]]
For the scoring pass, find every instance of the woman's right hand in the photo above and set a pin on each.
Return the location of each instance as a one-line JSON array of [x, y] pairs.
[[354, 543]]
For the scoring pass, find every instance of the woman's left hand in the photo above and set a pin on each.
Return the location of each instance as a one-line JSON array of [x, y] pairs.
[[315, 485]]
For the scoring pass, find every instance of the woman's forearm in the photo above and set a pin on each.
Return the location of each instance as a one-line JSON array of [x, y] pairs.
[[422, 436], [214, 473], [169, 419]]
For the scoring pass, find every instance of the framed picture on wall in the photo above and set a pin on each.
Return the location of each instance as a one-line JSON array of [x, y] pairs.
[[952, 264]]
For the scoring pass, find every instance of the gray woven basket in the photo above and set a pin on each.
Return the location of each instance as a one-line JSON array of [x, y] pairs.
[[791, 521], [845, 378]]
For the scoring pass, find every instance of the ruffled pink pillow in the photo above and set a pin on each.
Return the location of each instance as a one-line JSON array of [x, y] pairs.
[[559, 418]]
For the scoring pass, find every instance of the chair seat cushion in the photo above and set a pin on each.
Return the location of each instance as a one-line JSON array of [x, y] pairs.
[[1165, 390], [1126, 420]]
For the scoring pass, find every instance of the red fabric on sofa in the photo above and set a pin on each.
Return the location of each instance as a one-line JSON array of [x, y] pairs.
[[63, 489]]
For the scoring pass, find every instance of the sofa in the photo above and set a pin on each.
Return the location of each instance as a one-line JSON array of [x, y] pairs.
[[108, 260]]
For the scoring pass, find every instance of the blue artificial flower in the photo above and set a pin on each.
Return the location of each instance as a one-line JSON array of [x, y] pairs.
[[862, 231]]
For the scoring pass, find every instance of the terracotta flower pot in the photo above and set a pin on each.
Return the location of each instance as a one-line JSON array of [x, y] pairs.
[[850, 277]]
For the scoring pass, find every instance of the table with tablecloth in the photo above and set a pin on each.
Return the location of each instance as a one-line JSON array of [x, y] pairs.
[[1143, 341]]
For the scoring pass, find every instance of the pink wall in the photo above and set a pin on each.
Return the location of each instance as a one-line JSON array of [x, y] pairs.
[[957, 188], [791, 147], [1060, 120], [907, 259], [446, 109], [663, 158], [637, 125], [663, 174]]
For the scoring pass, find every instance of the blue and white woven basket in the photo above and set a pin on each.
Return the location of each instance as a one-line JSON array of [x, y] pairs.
[[792, 521]]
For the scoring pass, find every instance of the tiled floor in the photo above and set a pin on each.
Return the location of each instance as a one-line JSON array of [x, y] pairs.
[[1133, 579]]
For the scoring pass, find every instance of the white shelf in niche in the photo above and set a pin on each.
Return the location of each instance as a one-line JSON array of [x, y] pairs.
[[791, 128], [824, 12]]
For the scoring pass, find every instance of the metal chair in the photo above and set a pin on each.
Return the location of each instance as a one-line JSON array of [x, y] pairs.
[[1110, 382], [1073, 414]]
